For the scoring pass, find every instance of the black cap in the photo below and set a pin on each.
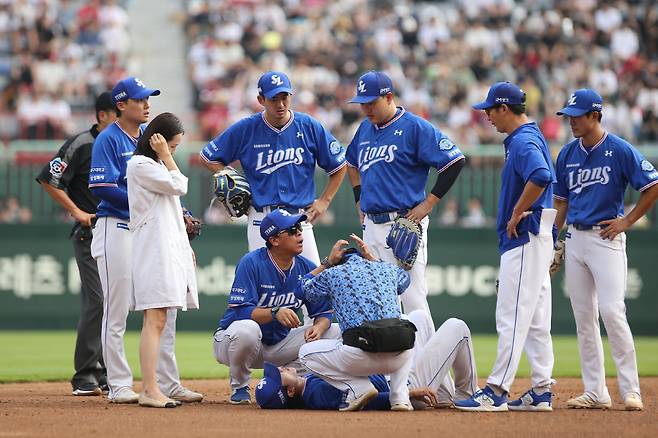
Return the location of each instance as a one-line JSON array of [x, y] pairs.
[[104, 102]]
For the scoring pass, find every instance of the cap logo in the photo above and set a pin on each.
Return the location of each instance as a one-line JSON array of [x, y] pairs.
[[140, 83], [597, 105], [262, 383], [270, 229], [285, 213], [120, 95], [572, 100], [384, 90], [276, 80], [362, 87], [502, 99]]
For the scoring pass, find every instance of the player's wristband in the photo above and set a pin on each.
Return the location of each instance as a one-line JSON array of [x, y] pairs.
[[275, 310], [357, 193], [326, 263]]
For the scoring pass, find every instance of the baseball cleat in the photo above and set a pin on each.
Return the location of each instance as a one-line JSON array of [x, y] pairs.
[[484, 400], [532, 402], [358, 403], [87, 390], [153, 403], [240, 396], [633, 402], [402, 407], [587, 401], [125, 395], [183, 394]]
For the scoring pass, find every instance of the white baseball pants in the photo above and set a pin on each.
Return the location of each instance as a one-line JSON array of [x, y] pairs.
[[596, 282], [415, 297], [347, 368], [523, 309], [111, 247], [240, 348]]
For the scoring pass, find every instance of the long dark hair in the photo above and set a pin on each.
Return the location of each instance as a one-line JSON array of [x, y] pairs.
[[165, 124]]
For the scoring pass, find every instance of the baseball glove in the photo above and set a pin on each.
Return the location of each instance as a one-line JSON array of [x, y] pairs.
[[404, 239], [192, 225], [558, 257], [232, 191]]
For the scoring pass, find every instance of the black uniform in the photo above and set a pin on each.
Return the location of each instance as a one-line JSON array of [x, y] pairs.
[[69, 171]]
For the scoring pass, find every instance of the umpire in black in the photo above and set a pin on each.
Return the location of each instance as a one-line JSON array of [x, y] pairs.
[[65, 179]]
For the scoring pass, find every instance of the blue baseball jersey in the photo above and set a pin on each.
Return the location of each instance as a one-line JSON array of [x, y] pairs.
[[594, 181], [320, 395], [259, 282], [527, 158], [279, 163], [360, 290], [394, 160], [109, 158]]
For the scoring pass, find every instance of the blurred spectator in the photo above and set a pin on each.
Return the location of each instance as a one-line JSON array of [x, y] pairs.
[[11, 211], [450, 215], [475, 217]]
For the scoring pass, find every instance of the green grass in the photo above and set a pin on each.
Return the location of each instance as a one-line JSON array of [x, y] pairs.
[[48, 356]]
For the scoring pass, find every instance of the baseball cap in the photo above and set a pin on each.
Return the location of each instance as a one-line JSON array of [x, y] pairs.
[[104, 102], [131, 88], [372, 85], [269, 394], [277, 221], [581, 102], [273, 83], [502, 93]]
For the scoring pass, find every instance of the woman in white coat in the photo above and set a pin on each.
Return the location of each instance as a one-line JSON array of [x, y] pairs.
[[163, 266]]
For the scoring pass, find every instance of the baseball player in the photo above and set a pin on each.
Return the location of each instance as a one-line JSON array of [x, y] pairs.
[[592, 174], [435, 353], [525, 234], [65, 179], [261, 323], [111, 245], [278, 150], [389, 160]]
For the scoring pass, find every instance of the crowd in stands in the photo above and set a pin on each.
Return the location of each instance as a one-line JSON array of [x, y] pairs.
[[442, 57], [55, 57]]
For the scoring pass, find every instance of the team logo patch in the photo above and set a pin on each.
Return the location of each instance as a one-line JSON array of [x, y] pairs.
[[335, 148], [646, 166], [445, 144], [57, 167]]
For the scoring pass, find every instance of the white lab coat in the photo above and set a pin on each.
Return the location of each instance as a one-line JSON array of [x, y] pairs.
[[163, 272]]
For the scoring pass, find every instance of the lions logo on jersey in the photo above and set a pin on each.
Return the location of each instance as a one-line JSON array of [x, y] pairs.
[[646, 166], [445, 144], [57, 167], [335, 148]]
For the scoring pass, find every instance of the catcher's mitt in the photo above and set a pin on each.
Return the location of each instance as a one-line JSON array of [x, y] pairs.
[[232, 191], [192, 225], [404, 239], [558, 257]]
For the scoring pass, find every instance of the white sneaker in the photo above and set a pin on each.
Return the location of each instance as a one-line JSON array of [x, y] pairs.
[[587, 401], [183, 394], [125, 395], [358, 403], [633, 402], [402, 407]]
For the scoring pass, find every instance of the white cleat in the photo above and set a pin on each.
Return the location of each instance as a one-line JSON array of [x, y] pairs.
[[633, 402], [586, 401]]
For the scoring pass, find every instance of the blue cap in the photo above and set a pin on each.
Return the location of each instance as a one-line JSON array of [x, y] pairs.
[[582, 102], [372, 85], [131, 88], [502, 93], [269, 393], [273, 83], [277, 221]]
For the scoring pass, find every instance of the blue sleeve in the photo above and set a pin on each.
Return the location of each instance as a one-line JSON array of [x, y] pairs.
[[403, 280], [116, 196], [560, 187], [639, 172], [225, 148], [352, 152], [330, 153], [434, 148], [527, 159], [314, 289], [540, 177], [104, 170], [244, 293]]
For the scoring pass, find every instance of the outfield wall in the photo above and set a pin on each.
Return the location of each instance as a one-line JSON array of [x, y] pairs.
[[39, 282]]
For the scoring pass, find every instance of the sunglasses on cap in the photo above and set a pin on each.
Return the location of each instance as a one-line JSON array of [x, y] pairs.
[[292, 231]]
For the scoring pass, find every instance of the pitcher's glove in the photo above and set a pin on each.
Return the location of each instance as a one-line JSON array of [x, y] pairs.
[[404, 239], [192, 225], [558, 257], [232, 191]]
